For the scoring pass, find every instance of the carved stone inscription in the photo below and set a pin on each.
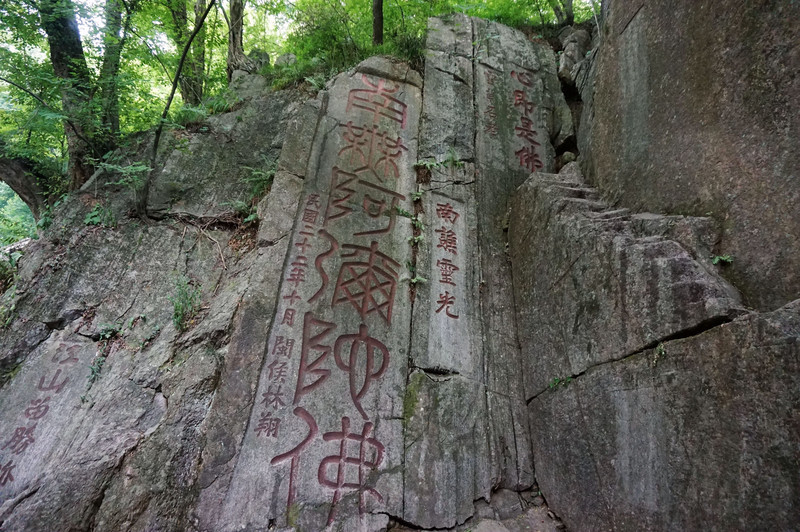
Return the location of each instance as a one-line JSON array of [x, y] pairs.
[[327, 423], [44, 389]]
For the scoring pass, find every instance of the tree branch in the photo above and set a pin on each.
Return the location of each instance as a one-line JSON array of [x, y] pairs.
[[142, 203], [44, 103]]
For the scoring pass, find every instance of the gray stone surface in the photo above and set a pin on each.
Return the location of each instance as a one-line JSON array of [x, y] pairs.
[[330, 409], [575, 44], [390, 347], [647, 443], [118, 446], [622, 283], [696, 111], [464, 339]]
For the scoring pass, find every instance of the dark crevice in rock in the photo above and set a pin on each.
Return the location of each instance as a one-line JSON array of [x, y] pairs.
[[270, 243], [437, 371], [456, 77], [64, 319], [697, 330], [691, 332]]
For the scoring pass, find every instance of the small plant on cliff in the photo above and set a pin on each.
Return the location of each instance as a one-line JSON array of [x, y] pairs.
[[658, 353], [558, 381], [260, 179], [452, 159], [100, 215], [724, 259], [131, 176], [8, 269], [185, 302]]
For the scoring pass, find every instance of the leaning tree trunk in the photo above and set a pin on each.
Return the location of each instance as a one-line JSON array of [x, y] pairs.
[[377, 22], [69, 64], [236, 58], [20, 176]]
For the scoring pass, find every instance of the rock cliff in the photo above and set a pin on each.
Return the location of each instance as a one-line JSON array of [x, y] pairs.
[[426, 328]]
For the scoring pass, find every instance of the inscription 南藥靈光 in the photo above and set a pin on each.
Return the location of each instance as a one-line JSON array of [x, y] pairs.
[[448, 243]]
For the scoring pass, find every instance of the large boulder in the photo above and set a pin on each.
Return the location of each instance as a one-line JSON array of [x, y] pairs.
[[656, 401], [697, 111]]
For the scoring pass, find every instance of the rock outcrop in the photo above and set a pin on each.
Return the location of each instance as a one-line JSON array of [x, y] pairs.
[[696, 111], [645, 377], [426, 328], [353, 363]]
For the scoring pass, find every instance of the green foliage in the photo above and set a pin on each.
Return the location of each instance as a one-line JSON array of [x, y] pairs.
[[658, 353], [100, 215], [187, 114], [130, 175], [8, 269], [222, 102], [452, 159], [8, 306], [724, 259], [185, 302], [559, 381], [260, 179], [95, 369], [16, 220], [327, 37]]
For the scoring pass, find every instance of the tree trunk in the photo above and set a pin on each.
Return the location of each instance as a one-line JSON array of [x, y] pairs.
[[19, 175], [236, 58], [569, 13], [197, 60], [112, 52], [563, 11], [377, 22], [191, 82], [69, 64]]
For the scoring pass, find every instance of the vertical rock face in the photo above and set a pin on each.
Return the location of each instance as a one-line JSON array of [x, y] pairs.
[[353, 360], [646, 380], [423, 311], [324, 440], [696, 111]]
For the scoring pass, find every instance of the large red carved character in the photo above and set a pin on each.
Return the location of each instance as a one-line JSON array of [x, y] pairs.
[[369, 285], [369, 456], [368, 150], [378, 99], [314, 333], [294, 454], [370, 372]]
